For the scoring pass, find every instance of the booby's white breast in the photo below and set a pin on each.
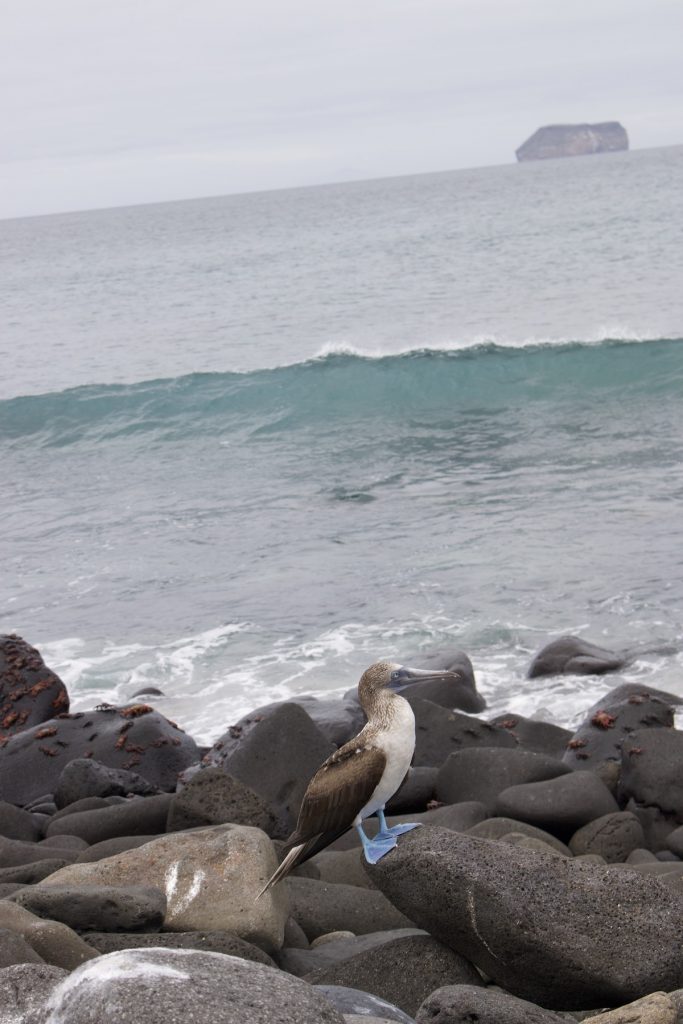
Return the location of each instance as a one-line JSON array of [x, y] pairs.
[[397, 741]]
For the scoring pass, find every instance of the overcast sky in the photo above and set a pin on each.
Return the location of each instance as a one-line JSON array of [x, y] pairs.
[[109, 102]]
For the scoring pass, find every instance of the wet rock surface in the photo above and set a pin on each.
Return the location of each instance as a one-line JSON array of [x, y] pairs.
[[30, 692]]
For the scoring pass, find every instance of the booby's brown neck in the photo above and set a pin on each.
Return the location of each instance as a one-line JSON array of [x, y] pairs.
[[379, 705]]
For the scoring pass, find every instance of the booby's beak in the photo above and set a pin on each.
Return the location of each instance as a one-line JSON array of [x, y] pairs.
[[403, 676]]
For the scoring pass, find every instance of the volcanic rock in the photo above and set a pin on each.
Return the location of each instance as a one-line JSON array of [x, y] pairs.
[[360, 1006], [29, 874], [143, 816], [15, 950], [555, 931], [326, 950], [56, 943], [414, 793], [84, 777], [500, 828], [30, 692], [614, 837], [560, 140], [101, 908], [160, 986], [212, 797], [570, 655], [462, 1004], [110, 847], [321, 907], [458, 817], [539, 737], [26, 987], [404, 971], [206, 942], [134, 736], [211, 877], [651, 770], [614, 719], [657, 1008], [481, 774], [13, 852], [440, 732], [18, 824], [560, 805], [276, 757]]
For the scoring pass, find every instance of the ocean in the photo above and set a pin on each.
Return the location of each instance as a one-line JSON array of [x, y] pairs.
[[251, 444]]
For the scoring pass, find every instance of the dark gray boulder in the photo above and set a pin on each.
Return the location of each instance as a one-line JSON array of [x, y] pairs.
[[85, 777], [556, 931], [15, 950], [212, 797], [303, 961], [403, 971], [276, 757], [30, 692], [652, 770], [501, 828], [482, 773], [97, 908], [539, 737], [415, 792], [86, 803], [675, 841], [570, 655], [612, 720], [440, 732], [560, 805], [613, 837], [16, 823], [322, 907], [143, 816], [132, 737], [29, 874], [207, 942], [463, 1004], [164, 986], [563, 140], [14, 852], [337, 718], [356, 1005]]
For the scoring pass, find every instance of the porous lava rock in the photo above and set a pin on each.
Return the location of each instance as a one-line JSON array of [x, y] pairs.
[[463, 1004], [500, 828], [143, 816], [613, 837], [322, 907], [403, 971], [334, 947], [207, 942], [211, 878], [481, 774], [30, 692], [555, 931], [97, 908], [26, 987], [131, 737], [212, 797], [362, 1007], [84, 777], [159, 986], [276, 756]]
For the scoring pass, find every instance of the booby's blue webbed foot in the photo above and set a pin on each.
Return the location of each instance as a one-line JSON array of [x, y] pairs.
[[375, 849], [387, 832]]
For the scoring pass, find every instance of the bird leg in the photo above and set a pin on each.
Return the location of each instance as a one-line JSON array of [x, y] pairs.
[[374, 849], [385, 832]]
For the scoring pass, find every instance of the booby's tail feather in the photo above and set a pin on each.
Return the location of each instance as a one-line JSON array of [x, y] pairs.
[[291, 860]]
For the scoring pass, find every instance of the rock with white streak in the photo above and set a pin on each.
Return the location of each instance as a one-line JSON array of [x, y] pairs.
[[210, 876]]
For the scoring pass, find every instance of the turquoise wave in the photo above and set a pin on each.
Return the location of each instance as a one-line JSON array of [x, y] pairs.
[[347, 387]]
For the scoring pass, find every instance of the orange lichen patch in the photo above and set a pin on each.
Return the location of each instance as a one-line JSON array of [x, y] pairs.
[[49, 730], [575, 744], [135, 710], [603, 720]]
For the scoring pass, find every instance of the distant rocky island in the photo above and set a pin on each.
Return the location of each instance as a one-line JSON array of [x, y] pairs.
[[555, 140]]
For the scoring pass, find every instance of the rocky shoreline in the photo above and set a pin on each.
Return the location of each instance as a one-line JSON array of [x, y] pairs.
[[546, 883]]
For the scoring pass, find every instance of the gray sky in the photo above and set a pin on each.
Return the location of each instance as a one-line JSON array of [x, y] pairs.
[[109, 102]]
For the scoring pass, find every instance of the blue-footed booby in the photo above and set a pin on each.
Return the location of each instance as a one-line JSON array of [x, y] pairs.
[[359, 778]]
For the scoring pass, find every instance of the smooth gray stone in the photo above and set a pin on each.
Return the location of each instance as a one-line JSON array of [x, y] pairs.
[[614, 837], [97, 908], [462, 1004], [362, 1004], [71, 843], [16, 823], [304, 961], [13, 853], [498, 828], [537, 736], [207, 942], [320, 907], [555, 931], [482, 774], [342, 866], [29, 874], [85, 777], [142, 816], [174, 986], [440, 732], [651, 770], [561, 805], [15, 950], [110, 847], [403, 971], [570, 655], [414, 793]]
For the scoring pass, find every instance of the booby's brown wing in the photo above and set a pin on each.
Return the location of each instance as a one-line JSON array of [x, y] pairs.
[[338, 791]]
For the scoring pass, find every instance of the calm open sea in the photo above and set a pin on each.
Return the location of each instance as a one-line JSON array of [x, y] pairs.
[[249, 445]]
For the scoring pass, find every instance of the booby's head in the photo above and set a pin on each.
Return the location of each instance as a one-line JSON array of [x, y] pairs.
[[386, 676]]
